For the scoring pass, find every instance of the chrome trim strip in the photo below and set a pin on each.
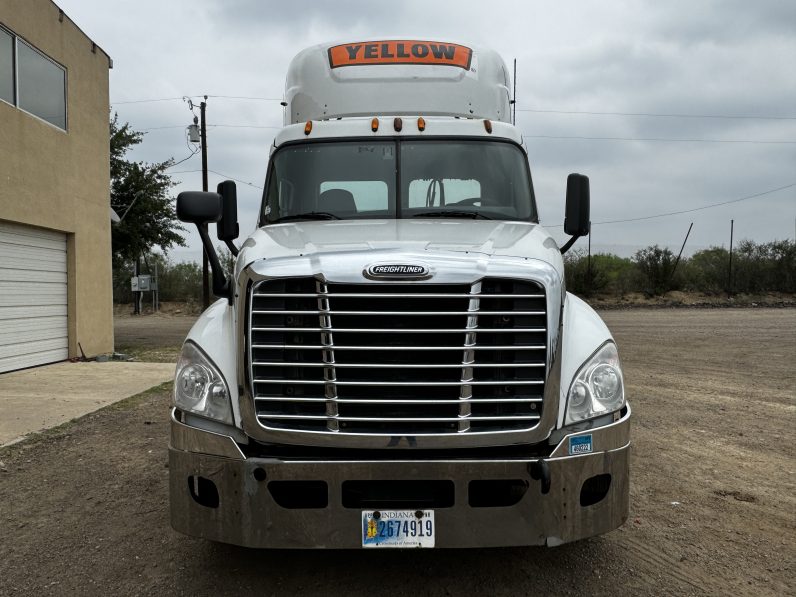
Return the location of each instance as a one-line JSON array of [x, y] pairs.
[[414, 384], [399, 400], [413, 348], [398, 419], [389, 295], [410, 313], [404, 330], [201, 441], [394, 365]]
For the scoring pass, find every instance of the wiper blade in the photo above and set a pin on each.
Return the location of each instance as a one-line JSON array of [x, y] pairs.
[[310, 215], [444, 213]]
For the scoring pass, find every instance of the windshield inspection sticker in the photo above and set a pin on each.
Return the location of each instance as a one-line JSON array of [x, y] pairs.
[[580, 444]]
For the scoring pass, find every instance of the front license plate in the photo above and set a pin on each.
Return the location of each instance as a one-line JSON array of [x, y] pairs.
[[398, 528]]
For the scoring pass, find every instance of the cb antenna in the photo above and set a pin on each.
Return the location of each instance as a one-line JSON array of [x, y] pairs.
[[514, 101]]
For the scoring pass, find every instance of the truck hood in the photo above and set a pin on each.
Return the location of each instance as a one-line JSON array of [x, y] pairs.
[[433, 235]]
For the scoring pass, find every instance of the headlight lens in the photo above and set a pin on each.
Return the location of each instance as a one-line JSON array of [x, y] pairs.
[[199, 388], [598, 387]]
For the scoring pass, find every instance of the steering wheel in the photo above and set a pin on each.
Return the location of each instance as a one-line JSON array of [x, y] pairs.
[[469, 201]]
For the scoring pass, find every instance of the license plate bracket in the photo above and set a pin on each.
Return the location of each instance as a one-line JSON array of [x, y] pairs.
[[398, 528]]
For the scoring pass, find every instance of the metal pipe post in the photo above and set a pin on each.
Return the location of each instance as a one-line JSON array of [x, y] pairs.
[[205, 275]]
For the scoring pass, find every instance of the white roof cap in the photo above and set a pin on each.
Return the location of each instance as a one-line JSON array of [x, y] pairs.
[[396, 77]]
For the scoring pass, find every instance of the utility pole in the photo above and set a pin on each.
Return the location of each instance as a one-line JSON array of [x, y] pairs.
[[203, 132], [729, 273], [680, 254]]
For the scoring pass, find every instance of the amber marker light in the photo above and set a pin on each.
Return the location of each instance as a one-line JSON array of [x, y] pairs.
[[397, 125], [488, 126], [421, 124], [374, 125], [308, 127]]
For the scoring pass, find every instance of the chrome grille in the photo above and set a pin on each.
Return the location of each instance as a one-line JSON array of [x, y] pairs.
[[398, 359]]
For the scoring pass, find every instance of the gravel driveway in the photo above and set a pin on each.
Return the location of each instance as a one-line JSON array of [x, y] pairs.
[[83, 509]]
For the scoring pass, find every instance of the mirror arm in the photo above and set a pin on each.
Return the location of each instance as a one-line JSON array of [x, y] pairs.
[[232, 248], [569, 243], [221, 286]]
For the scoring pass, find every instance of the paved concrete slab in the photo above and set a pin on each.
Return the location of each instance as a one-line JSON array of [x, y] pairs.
[[44, 397]]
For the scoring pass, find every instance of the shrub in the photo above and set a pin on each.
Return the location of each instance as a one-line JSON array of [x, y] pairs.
[[582, 279], [656, 266]]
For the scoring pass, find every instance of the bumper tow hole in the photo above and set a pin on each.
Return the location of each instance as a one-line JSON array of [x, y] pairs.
[[203, 491], [594, 489]]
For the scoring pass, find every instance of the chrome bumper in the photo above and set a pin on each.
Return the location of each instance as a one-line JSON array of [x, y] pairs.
[[219, 494]]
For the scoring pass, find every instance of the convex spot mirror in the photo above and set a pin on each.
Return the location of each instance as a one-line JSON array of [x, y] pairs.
[[196, 207]]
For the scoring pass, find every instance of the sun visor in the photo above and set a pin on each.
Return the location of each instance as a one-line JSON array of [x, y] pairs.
[[396, 77]]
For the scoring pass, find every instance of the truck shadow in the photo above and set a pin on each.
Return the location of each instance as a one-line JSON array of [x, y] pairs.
[[510, 571]]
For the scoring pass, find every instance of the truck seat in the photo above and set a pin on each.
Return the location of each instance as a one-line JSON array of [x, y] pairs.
[[337, 201]]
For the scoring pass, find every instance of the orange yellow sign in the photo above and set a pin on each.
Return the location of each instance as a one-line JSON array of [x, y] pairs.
[[400, 52]]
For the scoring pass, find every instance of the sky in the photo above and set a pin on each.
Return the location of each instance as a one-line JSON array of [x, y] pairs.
[[666, 106]]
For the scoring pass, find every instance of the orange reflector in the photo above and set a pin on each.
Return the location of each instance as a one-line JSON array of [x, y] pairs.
[[421, 124], [308, 127], [374, 125], [488, 126], [398, 125]]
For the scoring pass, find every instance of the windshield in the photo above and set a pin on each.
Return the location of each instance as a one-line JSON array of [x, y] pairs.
[[399, 178]]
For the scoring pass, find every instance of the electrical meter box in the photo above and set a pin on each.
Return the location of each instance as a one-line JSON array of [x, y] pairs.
[[141, 284]]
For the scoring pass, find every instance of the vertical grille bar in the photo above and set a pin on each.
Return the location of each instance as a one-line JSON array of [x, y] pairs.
[[329, 372], [468, 359]]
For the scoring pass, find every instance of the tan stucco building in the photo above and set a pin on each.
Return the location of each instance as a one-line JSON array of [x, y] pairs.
[[55, 238]]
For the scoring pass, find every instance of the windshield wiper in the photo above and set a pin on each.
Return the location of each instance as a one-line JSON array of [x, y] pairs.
[[444, 213], [310, 215]]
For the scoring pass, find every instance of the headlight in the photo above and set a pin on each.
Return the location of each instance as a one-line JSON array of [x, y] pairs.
[[199, 388], [598, 387]]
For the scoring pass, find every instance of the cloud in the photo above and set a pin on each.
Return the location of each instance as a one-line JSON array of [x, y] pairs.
[[711, 57]]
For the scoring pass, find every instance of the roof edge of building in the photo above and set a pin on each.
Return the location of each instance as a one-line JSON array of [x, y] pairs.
[[62, 15]]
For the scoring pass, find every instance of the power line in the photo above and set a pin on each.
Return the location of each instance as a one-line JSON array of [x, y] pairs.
[[661, 139], [559, 137], [248, 97], [234, 126], [530, 110], [659, 115], [225, 176], [158, 128], [146, 101], [171, 99], [686, 211], [246, 126], [236, 179], [185, 159]]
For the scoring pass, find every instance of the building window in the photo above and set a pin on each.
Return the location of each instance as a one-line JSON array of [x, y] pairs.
[[6, 67], [32, 81]]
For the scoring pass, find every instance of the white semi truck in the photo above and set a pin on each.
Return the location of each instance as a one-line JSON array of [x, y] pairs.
[[395, 361]]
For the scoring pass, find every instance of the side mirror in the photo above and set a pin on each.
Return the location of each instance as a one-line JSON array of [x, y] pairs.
[[576, 220], [195, 207], [227, 227], [199, 208]]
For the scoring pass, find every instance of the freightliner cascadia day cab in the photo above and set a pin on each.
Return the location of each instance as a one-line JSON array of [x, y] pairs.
[[395, 361]]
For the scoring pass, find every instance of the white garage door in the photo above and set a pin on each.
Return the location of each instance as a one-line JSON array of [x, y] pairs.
[[32, 297]]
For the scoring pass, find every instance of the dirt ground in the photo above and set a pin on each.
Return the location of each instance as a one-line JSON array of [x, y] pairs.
[[83, 509]]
